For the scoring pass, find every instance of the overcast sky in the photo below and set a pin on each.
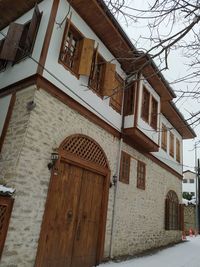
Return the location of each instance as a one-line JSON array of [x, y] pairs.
[[177, 69]]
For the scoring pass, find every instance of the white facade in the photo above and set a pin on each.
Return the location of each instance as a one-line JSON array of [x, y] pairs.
[[189, 182]]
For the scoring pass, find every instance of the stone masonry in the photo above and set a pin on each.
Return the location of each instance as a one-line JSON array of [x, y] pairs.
[[139, 214]]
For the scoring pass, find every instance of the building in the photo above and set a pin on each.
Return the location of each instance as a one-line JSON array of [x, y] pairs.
[[91, 141], [189, 183]]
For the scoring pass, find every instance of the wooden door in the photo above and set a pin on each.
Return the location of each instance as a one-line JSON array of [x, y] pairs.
[[70, 230]]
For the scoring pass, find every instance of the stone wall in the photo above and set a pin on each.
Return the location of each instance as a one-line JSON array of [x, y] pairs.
[[139, 214]]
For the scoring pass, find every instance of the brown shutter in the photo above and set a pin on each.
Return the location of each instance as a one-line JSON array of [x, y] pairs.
[[86, 55], [33, 28], [125, 168], [6, 204], [181, 217], [108, 79], [166, 214], [12, 41]]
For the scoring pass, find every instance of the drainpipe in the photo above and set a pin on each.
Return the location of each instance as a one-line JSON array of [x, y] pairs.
[[116, 180]]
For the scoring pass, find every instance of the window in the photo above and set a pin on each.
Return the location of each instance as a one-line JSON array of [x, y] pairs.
[[76, 51], [116, 98], [125, 168], [185, 181], [171, 211], [70, 46], [145, 104], [141, 173], [6, 204], [20, 38], [191, 181], [103, 76], [171, 148], [129, 99], [164, 137], [178, 150], [96, 77], [154, 113]]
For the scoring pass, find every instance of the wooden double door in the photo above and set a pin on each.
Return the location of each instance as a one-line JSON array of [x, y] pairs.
[[70, 230]]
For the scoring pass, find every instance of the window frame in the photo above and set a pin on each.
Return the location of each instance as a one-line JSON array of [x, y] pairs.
[[145, 104], [141, 175], [154, 113], [116, 98], [129, 98], [178, 150], [70, 27], [171, 144], [172, 211], [125, 163], [164, 139]]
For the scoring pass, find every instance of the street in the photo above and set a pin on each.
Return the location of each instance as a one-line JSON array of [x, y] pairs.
[[186, 254]]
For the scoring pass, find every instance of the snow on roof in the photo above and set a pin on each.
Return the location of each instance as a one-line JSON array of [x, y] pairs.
[[4, 190], [185, 201]]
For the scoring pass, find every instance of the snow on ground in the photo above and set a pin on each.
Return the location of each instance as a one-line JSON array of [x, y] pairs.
[[186, 254]]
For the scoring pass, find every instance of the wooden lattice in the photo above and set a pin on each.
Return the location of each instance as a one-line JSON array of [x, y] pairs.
[[2, 216], [85, 148]]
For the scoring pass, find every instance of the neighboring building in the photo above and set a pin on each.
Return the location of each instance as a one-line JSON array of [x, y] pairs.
[[189, 183], [92, 180]]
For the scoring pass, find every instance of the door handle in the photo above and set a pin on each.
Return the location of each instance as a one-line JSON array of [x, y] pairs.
[[69, 215]]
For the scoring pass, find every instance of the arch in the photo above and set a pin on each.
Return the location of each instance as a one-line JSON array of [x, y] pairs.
[[171, 211], [84, 148]]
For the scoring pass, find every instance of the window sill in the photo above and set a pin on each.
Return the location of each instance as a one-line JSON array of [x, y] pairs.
[[67, 68]]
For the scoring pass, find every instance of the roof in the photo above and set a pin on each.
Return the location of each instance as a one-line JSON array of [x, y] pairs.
[[11, 10], [120, 46]]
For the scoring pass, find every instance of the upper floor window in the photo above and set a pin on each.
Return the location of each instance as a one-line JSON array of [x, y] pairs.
[[116, 98], [102, 76], [125, 168], [184, 181], [145, 104], [129, 99], [76, 50], [164, 138], [20, 39], [141, 174], [191, 181], [178, 158], [171, 147], [96, 76], [154, 113]]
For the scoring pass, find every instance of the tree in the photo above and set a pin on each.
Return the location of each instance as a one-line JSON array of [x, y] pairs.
[[172, 25]]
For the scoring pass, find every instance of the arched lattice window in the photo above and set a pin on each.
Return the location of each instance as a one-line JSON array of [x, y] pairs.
[[171, 211]]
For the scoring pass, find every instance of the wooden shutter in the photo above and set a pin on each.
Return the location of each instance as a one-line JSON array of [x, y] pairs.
[[86, 56], [167, 213], [125, 168], [12, 41], [117, 94], [2, 62], [6, 204], [32, 31], [108, 82]]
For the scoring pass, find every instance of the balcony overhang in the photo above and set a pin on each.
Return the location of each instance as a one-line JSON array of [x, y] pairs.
[[11, 10], [140, 140]]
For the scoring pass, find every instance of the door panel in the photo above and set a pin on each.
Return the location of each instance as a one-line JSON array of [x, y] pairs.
[[86, 236], [70, 231], [60, 218]]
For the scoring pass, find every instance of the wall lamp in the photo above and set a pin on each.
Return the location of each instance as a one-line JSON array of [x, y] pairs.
[[54, 158]]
